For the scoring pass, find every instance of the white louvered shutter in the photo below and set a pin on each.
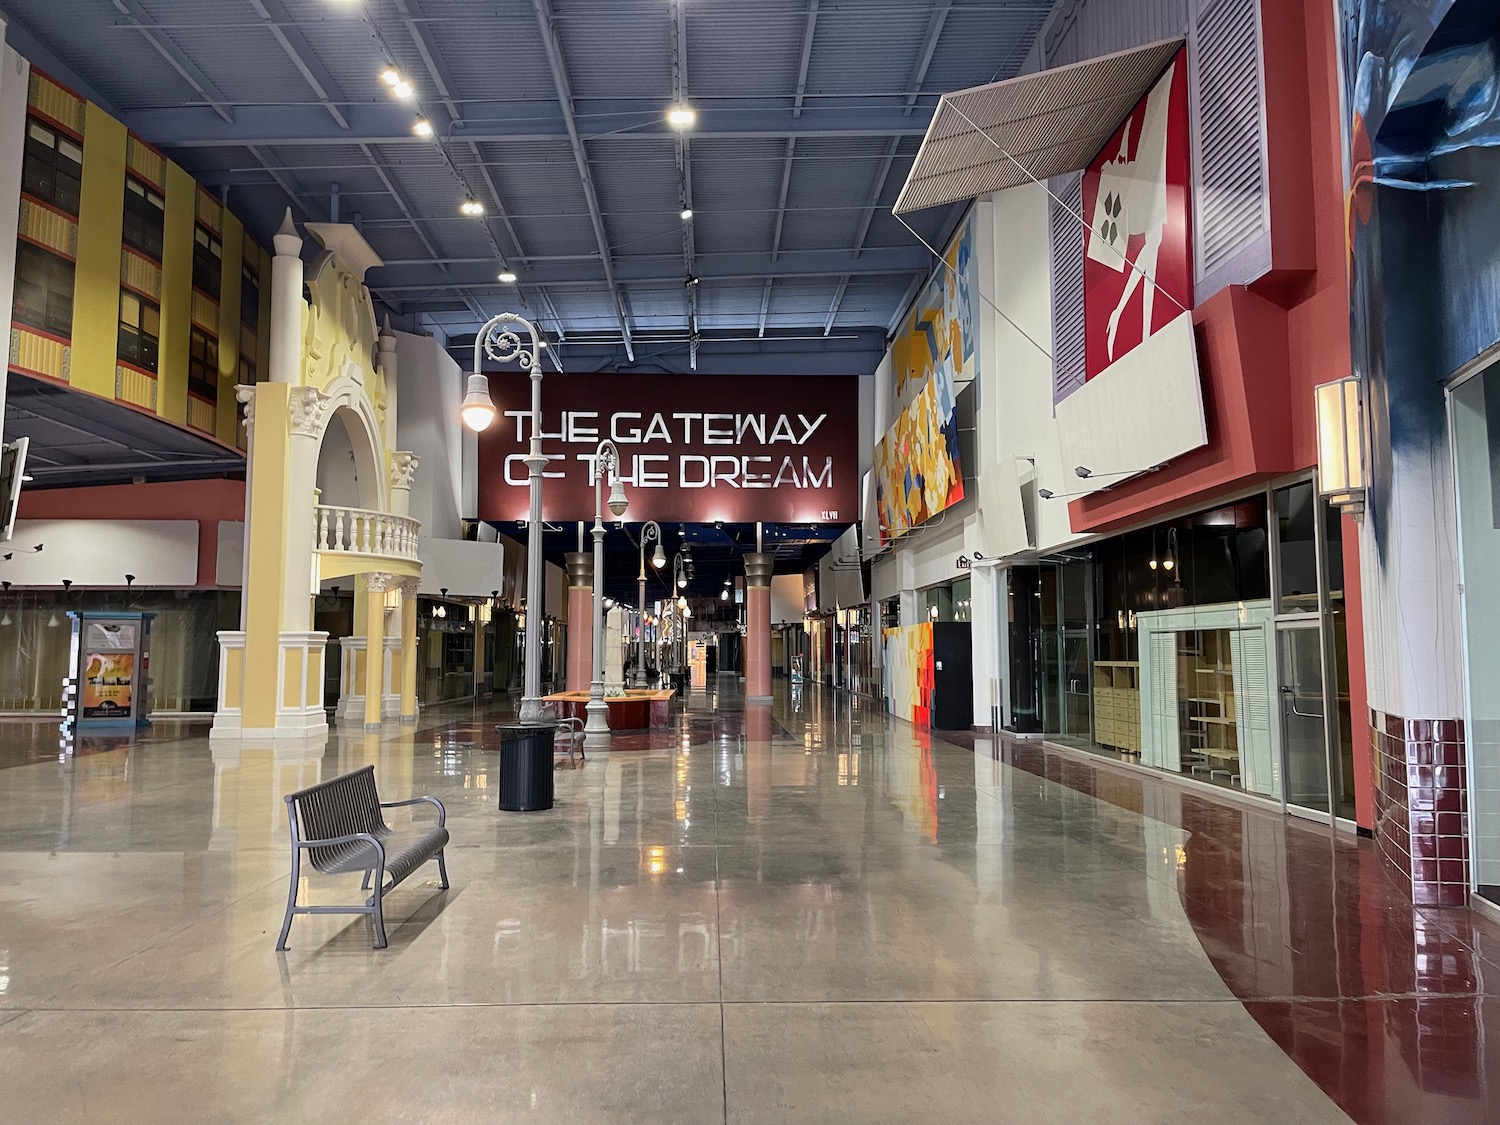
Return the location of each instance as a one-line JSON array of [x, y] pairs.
[[1068, 357], [1231, 199]]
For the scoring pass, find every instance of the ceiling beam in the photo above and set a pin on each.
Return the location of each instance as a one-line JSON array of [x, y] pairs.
[[177, 59], [663, 269], [564, 90], [684, 154], [833, 309], [516, 122], [295, 44], [809, 32], [935, 25]]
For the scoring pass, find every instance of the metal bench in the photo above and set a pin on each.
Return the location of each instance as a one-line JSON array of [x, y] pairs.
[[339, 825], [570, 733]]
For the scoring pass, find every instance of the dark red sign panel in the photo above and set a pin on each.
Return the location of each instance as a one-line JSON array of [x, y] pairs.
[[693, 448]]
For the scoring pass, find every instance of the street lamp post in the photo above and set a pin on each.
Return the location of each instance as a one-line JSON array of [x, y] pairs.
[[606, 462], [651, 531], [503, 344]]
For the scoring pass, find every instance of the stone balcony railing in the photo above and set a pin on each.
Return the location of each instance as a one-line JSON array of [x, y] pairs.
[[356, 531]]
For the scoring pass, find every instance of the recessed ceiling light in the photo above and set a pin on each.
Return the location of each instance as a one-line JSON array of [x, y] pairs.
[[472, 206], [508, 277], [687, 213], [423, 127], [682, 117]]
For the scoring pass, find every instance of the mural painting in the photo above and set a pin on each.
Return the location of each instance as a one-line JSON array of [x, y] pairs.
[[917, 467]]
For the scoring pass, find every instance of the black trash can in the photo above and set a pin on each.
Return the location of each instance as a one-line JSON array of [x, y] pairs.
[[525, 768]]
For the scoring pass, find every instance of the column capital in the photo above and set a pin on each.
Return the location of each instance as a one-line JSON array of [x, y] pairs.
[[410, 587], [309, 411], [378, 581], [758, 570], [404, 469], [580, 568]]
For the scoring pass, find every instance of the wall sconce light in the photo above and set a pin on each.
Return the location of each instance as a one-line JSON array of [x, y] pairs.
[[1343, 467]]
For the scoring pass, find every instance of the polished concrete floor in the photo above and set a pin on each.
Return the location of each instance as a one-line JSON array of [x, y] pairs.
[[807, 913]]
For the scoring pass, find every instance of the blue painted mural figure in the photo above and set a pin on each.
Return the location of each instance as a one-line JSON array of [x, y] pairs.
[[1423, 97]]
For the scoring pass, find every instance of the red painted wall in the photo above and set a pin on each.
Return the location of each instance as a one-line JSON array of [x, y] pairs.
[[210, 502], [1263, 349]]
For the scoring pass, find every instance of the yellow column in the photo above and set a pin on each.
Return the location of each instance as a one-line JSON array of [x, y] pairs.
[[409, 652], [176, 296], [375, 587], [269, 540], [96, 285]]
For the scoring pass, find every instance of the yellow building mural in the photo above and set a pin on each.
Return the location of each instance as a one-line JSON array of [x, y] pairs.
[[329, 365]]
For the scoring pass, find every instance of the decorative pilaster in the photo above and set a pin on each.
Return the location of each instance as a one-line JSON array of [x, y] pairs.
[[403, 476], [376, 585]]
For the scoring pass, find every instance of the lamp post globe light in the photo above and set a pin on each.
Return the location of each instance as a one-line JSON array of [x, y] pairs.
[[606, 463], [652, 531], [501, 340]]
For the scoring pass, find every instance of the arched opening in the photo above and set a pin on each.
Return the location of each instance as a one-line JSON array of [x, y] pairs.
[[349, 464]]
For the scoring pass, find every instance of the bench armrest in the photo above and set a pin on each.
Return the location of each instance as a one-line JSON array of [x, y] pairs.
[[442, 812], [352, 838]]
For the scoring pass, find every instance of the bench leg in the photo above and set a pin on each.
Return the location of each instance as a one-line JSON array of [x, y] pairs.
[[443, 870], [365, 883], [379, 913], [291, 900]]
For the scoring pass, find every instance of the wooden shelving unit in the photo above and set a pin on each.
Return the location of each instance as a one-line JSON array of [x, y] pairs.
[[1117, 705], [1206, 681]]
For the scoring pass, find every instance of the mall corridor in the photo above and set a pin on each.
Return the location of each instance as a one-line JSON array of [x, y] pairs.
[[802, 913]]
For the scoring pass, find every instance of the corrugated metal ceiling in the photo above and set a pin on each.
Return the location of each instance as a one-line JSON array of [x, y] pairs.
[[799, 102]]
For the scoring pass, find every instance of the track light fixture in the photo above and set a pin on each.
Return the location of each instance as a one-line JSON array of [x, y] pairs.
[[422, 128], [472, 207], [507, 277], [682, 117]]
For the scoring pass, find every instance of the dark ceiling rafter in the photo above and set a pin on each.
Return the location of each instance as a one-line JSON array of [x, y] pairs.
[[560, 80]]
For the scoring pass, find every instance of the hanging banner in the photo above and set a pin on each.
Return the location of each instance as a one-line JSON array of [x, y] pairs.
[[693, 448]]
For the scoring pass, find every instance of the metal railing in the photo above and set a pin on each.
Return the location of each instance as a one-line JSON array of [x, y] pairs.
[[358, 531]]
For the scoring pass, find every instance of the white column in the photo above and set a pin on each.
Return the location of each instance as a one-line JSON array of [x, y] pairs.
[[286, 304]]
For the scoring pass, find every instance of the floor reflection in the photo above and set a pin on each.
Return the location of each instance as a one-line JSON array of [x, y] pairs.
[[1384, 1004]]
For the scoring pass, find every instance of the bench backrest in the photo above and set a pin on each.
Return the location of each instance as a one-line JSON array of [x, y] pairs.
[[338, 807]]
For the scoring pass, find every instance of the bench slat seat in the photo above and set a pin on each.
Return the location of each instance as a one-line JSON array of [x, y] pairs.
[[340, 825]]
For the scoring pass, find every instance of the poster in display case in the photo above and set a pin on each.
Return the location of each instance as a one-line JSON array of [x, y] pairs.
[[108, 681]]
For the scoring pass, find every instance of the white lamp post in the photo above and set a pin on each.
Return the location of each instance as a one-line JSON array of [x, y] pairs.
[[504, 344], [651, 531], [606, 462]]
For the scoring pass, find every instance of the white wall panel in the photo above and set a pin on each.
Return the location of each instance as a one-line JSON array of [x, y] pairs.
[[786, 599], [431, 391], [229, 563], [102, 552], [1143, 410], [469, 570]]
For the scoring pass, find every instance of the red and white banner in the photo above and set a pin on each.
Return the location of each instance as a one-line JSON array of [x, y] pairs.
[[1138, 257]]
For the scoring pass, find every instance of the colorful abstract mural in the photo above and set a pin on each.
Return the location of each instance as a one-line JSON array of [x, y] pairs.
[[910, 673], [917, 467]]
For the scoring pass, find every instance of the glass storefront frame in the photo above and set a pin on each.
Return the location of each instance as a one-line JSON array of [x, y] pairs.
[[1071, 681]]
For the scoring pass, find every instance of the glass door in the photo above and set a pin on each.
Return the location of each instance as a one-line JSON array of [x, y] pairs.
[[1304, 728]]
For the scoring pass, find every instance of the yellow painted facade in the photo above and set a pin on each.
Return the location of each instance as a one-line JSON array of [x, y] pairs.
[[325, 363], [88, 356]]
